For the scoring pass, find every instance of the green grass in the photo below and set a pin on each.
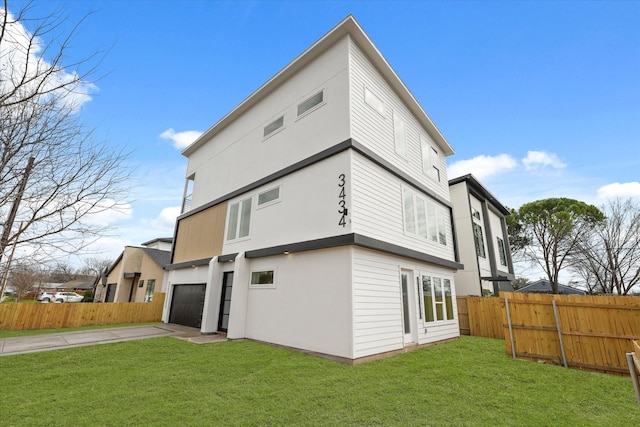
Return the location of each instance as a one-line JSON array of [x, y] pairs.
[[165, 381], [12, 334]]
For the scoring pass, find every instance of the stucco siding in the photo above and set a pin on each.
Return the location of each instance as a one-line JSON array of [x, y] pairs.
[[239, 154]]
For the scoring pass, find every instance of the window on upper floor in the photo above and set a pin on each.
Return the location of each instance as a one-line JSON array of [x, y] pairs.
[[188, 193], [429, 159], [424, 218], [502, 252], [273, 127], [475, 213], [269, 197], [372, 100], [239, 220], [478, 238], [400, 135], [311, 103]]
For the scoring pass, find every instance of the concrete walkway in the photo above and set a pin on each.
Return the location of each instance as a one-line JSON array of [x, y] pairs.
[[30, 344]]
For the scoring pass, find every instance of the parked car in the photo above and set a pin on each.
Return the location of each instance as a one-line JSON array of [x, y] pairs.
[[67, 297], [45, 296]]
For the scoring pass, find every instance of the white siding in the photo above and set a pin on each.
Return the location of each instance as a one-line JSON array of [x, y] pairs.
[[375, 130], [239, 155], [310, 306], [377, 303], [377, 210]]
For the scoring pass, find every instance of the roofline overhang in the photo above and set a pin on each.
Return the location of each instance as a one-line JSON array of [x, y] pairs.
[[348, 26], [475, 185]]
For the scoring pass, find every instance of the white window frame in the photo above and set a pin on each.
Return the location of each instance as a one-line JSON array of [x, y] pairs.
[[237, 236], [315, 107], [275, 131], [374, 101], [270, 202], [502, 251], [434, 303], [271, 285], [430, 159], [400, 144], [434, 229]]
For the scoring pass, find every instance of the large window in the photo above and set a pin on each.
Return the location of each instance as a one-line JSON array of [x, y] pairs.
[[438, 298], [239, 220], [479, 240], [502, 252], [148, 295], [424, 218]]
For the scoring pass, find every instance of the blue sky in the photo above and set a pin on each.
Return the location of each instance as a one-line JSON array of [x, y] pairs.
[[538, 99]]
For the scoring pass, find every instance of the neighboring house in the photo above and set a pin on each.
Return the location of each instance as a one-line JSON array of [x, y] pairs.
[[317, 213], [483, 241], [137, 274], [543, 286]]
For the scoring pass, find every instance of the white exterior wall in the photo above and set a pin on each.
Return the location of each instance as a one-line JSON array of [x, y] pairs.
[[467, 279], [377, 209], [375, 131], [310, 305], [307, 210], [377, 303], [239, 155]]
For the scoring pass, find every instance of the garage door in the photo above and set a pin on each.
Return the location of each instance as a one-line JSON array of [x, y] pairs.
[[187, 304]]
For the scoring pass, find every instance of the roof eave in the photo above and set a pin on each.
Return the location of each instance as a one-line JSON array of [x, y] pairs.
[[348, 26]]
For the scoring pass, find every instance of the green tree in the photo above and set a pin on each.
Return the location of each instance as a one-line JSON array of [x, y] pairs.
[[518, 240], [555, 228]]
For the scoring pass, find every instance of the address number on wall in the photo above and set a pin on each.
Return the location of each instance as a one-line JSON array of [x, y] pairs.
[[342, 209]]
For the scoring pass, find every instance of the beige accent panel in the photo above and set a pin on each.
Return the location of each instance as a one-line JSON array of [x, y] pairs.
[[200, 235]]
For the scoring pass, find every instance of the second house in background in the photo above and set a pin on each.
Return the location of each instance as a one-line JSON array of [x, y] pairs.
[[317, 213], [137, 274], [483, 240]]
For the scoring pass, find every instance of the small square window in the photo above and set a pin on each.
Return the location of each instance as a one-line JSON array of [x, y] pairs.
[[311, 103]]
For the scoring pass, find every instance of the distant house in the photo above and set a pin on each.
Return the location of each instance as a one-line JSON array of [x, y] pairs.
[[138, 273], [483, 241], [543, 286], [316, 213]]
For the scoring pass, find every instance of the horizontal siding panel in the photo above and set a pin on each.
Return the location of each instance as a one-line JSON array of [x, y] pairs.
[[376, 131]]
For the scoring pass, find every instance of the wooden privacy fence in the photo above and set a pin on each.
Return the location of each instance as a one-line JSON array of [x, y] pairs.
[[15, 317], [481, 316], [584, 332]]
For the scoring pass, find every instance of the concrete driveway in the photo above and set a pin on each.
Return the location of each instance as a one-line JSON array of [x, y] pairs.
[[30, 344]]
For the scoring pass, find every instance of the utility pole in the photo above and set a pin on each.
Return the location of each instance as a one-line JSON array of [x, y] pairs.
[[4, 241]]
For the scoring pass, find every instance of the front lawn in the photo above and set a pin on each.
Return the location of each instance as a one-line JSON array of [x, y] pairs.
[[166, 381]]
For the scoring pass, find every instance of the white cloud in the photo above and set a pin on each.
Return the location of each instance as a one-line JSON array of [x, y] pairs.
[[180, 139], [537, 160], [167, 218], [626, 189], [482, 166], [21, 60], [108, 212]]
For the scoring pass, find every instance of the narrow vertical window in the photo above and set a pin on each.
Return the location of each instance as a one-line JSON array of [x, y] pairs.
[[428, 299], [400, 135], [239, 220], [148, 295], [409, 213], [502, 252], [479, 240], [429, 159]]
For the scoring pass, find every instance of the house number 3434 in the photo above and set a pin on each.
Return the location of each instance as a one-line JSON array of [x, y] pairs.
[[342, 209]]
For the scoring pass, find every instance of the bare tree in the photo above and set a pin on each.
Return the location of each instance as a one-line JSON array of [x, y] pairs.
[[22, 280], [73, 178], [95, 267], [609, 259]]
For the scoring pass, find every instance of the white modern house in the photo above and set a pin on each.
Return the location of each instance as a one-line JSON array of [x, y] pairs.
[[483, 239], [317, 213]]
